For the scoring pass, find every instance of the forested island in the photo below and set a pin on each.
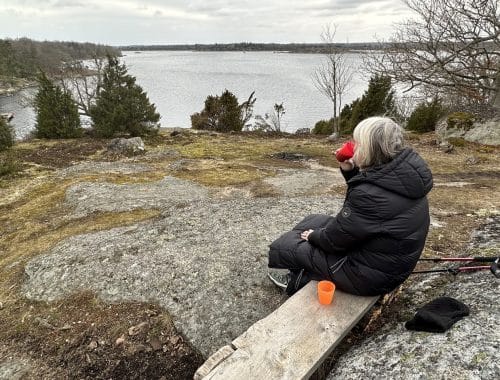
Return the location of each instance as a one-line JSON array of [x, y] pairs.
[[23, 58], [249, 46]]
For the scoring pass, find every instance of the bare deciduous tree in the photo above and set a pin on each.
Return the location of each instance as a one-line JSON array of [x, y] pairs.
[[83, 82], [451, 47], [333, 78], [271, 122]]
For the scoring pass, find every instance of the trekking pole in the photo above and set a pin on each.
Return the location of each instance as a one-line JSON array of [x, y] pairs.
[[454, 271], [462, 259]]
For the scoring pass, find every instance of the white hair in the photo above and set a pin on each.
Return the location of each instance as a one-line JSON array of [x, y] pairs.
[[378, 140]]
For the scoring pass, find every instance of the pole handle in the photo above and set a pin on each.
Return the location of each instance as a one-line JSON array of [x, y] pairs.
[[490, 259], [494, 269]]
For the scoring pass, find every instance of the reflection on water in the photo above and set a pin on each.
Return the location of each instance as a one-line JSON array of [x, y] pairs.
[[179, 82]]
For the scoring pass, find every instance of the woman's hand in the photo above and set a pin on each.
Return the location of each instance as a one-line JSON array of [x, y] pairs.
[[347, 165], [305, 235]]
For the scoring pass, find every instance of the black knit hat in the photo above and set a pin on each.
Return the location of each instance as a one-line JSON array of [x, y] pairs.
[[438, 315]]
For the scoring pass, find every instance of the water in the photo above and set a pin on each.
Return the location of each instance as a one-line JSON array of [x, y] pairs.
[[24, 115], [179, 82]]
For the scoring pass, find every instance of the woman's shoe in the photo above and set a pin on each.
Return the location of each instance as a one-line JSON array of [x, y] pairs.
[[280, 278]]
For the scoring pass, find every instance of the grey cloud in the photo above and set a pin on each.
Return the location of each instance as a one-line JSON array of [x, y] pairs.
[[70, 3], [194, 20], [337, 5], [50, 3]]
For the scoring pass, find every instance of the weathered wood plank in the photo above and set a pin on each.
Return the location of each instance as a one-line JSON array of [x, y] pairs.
[[292, 342], [212, 362]]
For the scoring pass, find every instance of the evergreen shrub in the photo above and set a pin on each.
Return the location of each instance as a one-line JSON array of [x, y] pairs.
[[223, 113], [6, 135], [8, 165], [425, 116], [323, 127]]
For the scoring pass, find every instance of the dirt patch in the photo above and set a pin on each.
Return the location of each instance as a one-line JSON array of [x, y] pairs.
[[86, 339], [60, 154]]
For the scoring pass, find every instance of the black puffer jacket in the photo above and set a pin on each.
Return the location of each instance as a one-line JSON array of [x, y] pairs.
[[382, 227]]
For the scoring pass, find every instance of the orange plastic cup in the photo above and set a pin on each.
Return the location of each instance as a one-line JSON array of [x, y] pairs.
[[325, 292]]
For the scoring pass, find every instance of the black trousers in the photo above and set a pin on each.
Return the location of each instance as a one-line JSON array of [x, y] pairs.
[[305, 261]]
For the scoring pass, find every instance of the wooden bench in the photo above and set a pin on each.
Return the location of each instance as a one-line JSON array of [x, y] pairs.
[[291, 342]]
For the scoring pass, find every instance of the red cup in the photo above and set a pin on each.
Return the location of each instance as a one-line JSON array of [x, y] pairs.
[[325, 292], [345, 152]]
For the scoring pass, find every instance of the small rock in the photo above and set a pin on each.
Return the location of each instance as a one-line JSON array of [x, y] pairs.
[[120, 340], [155, 344], [472, 160], [93, 345], [135, 330], [333, 137], [151, 313], [122, 145], [446, 147], [175, 339], [437, 224], [136, 348], [179, 165]]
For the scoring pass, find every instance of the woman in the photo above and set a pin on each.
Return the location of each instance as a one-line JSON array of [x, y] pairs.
[[374, 242]]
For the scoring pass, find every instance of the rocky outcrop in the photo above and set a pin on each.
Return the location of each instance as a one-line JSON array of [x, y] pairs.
[[462, 126], [85, 198], [205, 262], [487, 133], [14, 369], [121, 145], [204, 259]]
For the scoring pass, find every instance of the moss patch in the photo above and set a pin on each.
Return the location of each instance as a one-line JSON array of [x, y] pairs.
[[28, 238]]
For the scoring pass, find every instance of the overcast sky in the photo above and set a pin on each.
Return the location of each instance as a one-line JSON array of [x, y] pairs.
[[123, 22]]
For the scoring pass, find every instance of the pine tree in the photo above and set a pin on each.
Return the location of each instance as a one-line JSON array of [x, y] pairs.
[[56, 112], [122, 106]]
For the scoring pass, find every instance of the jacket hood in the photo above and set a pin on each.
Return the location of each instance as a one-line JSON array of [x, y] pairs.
[[407, 174]]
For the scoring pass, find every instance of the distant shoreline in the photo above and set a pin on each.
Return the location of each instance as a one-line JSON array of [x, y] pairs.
[[318, 48]]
